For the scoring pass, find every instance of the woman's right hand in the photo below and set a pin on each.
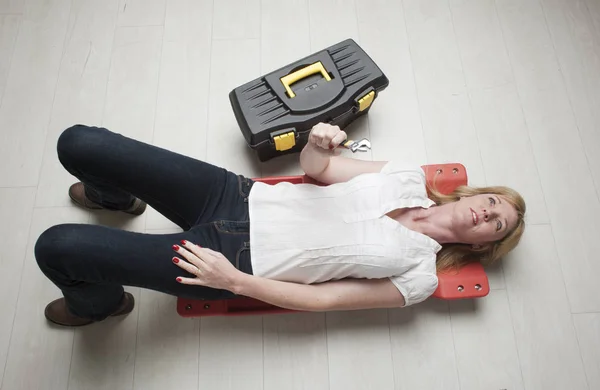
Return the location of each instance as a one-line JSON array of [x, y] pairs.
[[322, 161], [326, 136]]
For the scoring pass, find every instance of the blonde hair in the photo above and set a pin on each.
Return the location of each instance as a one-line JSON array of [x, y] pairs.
[[454, 256]]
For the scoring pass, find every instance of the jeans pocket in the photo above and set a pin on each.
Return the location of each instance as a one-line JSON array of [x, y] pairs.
[[232, 227]]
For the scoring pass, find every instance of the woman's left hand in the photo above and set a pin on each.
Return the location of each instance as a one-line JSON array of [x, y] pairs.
[[211, 268]]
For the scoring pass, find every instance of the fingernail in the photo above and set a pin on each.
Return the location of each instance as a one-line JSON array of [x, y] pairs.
[[175, 247], [175, 260], [179, 280], [183, 242], [330, 146]]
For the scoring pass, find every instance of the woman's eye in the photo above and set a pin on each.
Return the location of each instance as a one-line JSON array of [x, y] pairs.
[[498, 226], [492, 201]]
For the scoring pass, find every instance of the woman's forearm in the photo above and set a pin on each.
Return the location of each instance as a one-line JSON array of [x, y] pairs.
[[286, 295], [314, 161], [345, 294]]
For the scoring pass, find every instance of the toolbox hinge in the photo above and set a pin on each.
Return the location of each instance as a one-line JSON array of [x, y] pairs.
[[285, 141], [365, 101]]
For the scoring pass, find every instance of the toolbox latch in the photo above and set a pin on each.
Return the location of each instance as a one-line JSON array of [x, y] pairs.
[[365, 101], [284, 140]]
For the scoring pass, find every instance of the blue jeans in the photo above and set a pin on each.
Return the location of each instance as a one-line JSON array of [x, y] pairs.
[[91, 264]]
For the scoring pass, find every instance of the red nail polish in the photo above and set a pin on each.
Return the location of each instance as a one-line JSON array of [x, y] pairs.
[[330, 146], [175, 260], [175, 247], [179, 280], [183, 242]]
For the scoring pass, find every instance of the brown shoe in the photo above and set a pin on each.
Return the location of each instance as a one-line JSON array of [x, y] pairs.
[[58, 313], [77, 194]]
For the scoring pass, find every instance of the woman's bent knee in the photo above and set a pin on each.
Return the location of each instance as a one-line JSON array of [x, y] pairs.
[[54, 244], [80, 142]]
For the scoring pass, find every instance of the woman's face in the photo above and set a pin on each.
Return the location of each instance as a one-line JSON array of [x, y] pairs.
[[483, 218]]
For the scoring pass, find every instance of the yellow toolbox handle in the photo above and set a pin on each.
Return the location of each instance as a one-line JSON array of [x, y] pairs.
[[298, 75]]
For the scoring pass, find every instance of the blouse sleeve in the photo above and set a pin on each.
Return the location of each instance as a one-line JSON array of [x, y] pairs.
[[395, 166], [415, 287]]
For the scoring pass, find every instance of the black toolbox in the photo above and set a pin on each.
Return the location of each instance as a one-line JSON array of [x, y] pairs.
[[336, 85]]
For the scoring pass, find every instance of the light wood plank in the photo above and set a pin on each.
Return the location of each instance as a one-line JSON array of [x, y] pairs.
[[326, 30], [542, 322], [231, 353], [80, 90], [168, 345], [295, 352], [9, 27], [133, 82], [280, 47], [486, 351], [479, 36], [182, 106], [104, 353], [394, 118], [37, 346], [447, 121], [588, 334], [436, 61], [577, 47], [423, 351], [12, 6], [181, 112], [227, 146], [506, 149], [359, 352], [16, 209], [29, 91], [594, 10], [142, 13], [558, 149], [236, 19]]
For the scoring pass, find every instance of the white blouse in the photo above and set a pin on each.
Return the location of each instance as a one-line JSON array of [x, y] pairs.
[[311, 234]]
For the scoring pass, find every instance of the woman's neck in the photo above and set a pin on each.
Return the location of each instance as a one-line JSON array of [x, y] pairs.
[[435, 222]]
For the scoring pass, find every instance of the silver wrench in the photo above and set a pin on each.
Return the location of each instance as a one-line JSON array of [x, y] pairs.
[[362, 145]]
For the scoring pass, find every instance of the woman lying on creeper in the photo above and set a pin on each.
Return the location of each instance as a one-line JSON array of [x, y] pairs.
[[372, 237]]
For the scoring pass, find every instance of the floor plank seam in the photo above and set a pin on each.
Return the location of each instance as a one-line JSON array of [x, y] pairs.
[[568, 96]]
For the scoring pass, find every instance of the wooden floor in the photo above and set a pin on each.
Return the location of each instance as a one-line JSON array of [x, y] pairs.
[[510, 88]]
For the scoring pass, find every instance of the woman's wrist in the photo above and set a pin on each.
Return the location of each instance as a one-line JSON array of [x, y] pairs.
[[238, 282], [314, 160]]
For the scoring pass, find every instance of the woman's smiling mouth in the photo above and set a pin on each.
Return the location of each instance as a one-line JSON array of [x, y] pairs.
[[474, 217]]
